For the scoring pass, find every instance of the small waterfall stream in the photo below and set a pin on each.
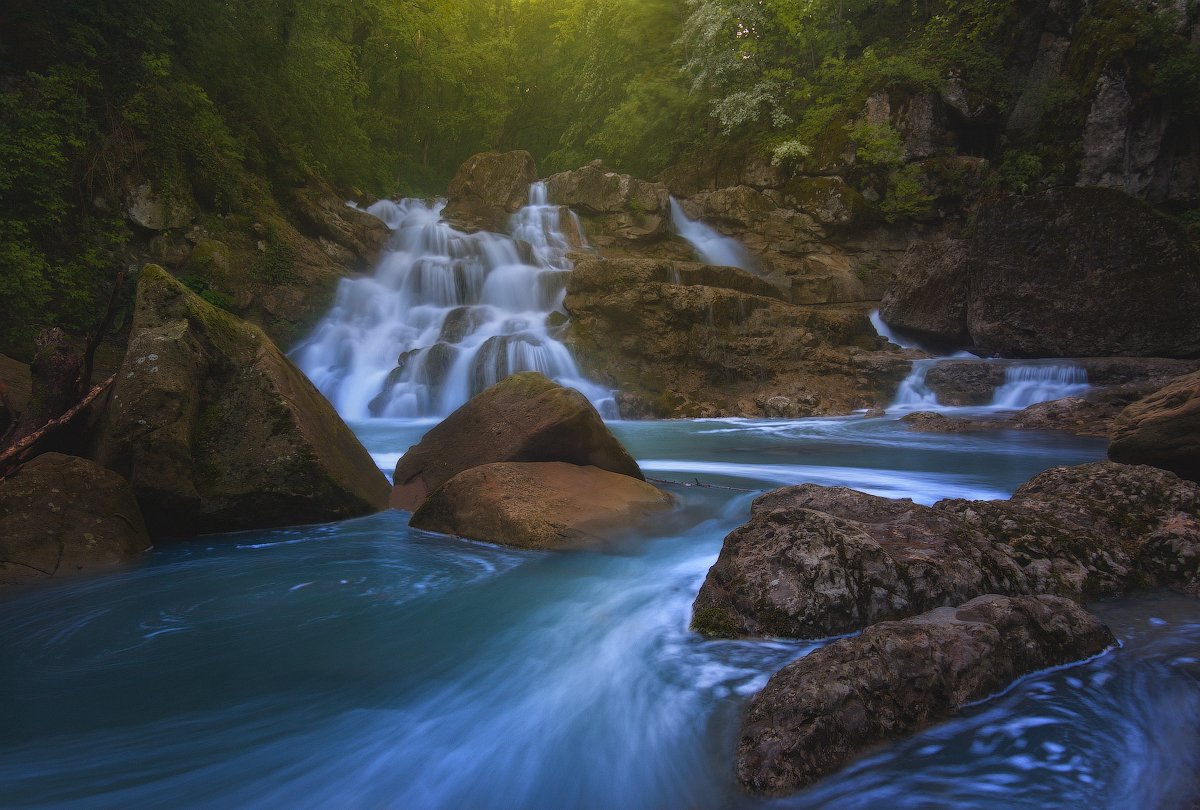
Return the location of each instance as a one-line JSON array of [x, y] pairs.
[[1024, 384], [447, 314], [711, 246]]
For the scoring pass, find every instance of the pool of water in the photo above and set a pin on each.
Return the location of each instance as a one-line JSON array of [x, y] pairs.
[[366, 664]]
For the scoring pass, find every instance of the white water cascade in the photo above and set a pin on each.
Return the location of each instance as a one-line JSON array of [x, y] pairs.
[[1024, 384], [447, 313], [711, 246]]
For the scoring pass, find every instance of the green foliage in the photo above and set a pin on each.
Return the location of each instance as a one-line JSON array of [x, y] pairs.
[[906, 196], [1020, 170]]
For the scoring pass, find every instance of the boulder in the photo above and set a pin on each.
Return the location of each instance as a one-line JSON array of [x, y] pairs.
[[617, 210], [681, 339], [1162, 430], [524, 418], [820, 712], [217, 430], [819, 561], [544, 505], [158, 210], [64, 515], [488, 188], [1045, 276]]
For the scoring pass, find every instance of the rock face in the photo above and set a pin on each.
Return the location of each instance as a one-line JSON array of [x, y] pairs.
[[217, 430], [1047, 275], [63, 515], [1162, 430], [617, 210], [818, 561], [538, 505], [524, 418], [683, 339], [489, 188], [816, 714]]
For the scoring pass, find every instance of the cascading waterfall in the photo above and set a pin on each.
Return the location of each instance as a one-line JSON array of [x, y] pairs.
[[447, 313], [1025, 384], [711, 246]]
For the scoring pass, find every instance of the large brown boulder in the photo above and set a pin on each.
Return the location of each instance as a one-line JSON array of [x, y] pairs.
[[525, 417], [1162, 430], [1072, 272], [617, 209], [218, 431], [819, 561], [820, 712], [682, 339], [63, 515], [538, 505], [488, 188]]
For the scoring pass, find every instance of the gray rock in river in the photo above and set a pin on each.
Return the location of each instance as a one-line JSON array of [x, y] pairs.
[[818, 713], [63, 515], [217, 430], [818, 561]]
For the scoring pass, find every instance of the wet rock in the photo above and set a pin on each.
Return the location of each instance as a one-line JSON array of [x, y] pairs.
[[681, 339], [62, 515], [524, 418], [488, 188], [818, 713], [1041, 276], [818, 561], [546, 505], [616, 209], [1162, 430], [217, 430], [932, 422], [54, 380]]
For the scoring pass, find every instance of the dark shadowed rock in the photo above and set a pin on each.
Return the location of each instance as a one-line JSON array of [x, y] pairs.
[[1069, 272], [817, 561], [488, 188], [63, 515], [538, 505], [817, 714], [1162, 430], [217, 430], [525, 417]]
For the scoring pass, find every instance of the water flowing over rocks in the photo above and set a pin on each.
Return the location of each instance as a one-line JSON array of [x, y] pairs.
[[681, 339], [818, 561], [1069, 272], [63, 515], [524, 418], [818, 713], [217, 430], [1162, 429], [545, 505], [489, 188]]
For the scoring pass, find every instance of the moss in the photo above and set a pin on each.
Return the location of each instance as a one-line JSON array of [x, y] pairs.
[[714, 622]]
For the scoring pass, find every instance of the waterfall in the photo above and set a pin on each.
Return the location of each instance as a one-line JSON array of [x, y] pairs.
[[885, 332], [1026, 385], [711, 246], [447, 313]]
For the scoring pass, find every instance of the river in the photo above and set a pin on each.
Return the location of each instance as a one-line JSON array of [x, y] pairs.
[[364, 664]]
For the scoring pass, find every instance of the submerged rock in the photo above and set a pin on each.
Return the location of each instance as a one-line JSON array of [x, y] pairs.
[[525, 417], [818, 713], [538, 505], [488, 188], [217, 430], [1071, 272], [818, 561], [63, 515], [1162, 430]]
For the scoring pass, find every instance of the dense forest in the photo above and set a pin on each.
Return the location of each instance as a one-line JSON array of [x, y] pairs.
[[227, 102]]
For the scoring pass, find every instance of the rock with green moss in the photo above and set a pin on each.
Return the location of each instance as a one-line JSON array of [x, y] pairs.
[[818, 561], [523, 418], [544, 505], [62, 515], [217, 430]]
